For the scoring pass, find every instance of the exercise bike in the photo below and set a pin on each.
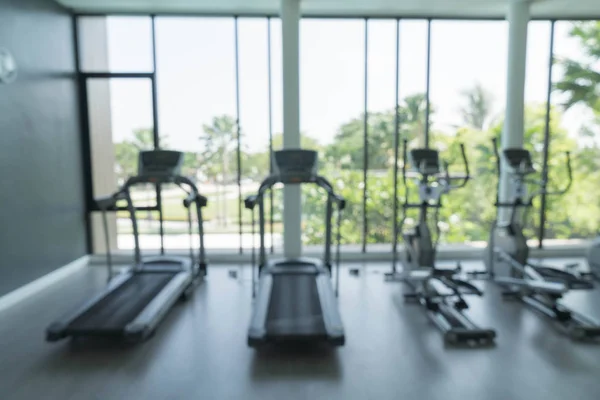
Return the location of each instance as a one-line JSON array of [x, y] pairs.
[[440, 291], [507, 253]]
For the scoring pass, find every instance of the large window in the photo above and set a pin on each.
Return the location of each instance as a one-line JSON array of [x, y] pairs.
[[574, 121], [210, 92], [212, 87]]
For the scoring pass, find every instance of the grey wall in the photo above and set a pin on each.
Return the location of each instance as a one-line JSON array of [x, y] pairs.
[[42, 218]]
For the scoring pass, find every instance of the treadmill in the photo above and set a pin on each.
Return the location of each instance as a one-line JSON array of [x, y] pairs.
[[134, 302], [296, 300]]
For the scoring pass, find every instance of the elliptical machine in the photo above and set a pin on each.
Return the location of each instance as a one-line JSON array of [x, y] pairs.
[[538, 286], [439, 290]]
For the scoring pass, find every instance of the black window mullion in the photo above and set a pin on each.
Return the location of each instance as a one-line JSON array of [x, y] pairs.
[[156, 136], [396, 146], [238, 130], [365, 140], [427, 84], [270, 100], [546, 150]]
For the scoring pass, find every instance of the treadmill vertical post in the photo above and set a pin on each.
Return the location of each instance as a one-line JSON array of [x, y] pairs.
[[134, 225], [202, 255], [107, 239], [328, 216], [337, 251], [252, 271], [192, 257], [262, 260]]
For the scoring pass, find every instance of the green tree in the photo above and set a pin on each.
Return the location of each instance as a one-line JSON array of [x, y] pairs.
[[581, 79], [580, 84], [219, 143], [127, 151], [467, 213], [347, 149], [477, 107], [218, 159]]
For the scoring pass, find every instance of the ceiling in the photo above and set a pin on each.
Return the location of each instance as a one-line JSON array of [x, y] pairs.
[[560, 9]]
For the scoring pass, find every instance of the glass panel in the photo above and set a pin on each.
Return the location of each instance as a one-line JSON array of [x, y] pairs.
[[332, 104], [381, 98], [115, 44], [254, 115], [413, 79], [574, 127], [197, 114], [468, 88], [120, 125], [536, 92]]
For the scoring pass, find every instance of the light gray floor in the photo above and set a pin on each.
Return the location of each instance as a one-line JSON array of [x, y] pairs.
[[392, 351]]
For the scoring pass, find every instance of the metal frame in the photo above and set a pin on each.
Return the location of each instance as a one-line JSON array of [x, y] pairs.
[[237, 125], [156, 134], [365, 222], [395, 229], [383, 15], [270, 101], [427, 85], [84, 117], [542, 229]]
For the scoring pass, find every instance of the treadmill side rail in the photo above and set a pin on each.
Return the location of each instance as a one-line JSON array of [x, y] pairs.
[[147, 320], [257, 332], [331, 314]]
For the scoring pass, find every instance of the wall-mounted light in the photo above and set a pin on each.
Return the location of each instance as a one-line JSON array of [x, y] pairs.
[[8, 66]]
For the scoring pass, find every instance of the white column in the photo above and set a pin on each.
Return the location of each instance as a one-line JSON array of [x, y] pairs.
[[512, 135], [292, 196]]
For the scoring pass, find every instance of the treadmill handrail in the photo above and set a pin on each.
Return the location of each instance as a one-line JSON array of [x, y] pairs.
[[251, 201], [108, 203]]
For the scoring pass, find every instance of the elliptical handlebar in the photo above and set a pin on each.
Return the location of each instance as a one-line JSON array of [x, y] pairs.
[[444, 175], [542, 183], [569, 175], [465, 178], [498, 167], [404, 146]]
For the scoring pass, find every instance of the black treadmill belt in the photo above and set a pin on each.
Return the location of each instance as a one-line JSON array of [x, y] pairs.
[[115, 311], [295, 307]]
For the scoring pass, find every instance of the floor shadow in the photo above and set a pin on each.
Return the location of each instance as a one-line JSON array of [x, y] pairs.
[[297, 361], [89, 353], [553, 343]]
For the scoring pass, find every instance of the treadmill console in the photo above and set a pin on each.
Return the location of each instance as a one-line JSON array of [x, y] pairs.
[[295, 166], [519, 160], [160, 163], [425, 161]]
